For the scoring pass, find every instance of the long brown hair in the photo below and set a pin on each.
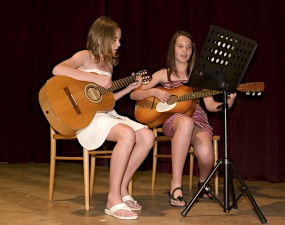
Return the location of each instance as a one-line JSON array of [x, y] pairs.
[[171, 55], [103, 30]]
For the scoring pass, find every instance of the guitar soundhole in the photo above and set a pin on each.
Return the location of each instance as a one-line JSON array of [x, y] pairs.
[[92, 93]]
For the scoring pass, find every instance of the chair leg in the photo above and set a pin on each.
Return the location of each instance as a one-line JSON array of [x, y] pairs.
[[191, 170], [86, 177], [52, 164], [92, 174], [215, 142], [154, 160], [154, 164]]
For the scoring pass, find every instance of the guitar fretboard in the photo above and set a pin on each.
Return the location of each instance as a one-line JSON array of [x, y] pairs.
[[198, 94], [116, 85]]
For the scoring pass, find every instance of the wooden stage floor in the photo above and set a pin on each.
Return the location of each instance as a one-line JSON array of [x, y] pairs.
[[24, 199]]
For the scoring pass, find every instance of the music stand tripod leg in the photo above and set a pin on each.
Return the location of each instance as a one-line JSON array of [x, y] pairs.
[[212, 173], [260, 215], [232, 191]]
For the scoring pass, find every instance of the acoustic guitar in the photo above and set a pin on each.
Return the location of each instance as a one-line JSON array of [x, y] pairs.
[[152, 112], [70, 105]]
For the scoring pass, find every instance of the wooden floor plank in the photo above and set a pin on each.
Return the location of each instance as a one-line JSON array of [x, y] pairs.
[[24, 199]]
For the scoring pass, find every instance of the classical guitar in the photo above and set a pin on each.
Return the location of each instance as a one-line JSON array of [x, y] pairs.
[[152, 112], [70, 105]]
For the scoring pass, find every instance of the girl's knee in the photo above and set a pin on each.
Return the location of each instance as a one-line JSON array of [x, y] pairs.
[[127, 134], [187, 121], [146, 137], [184, 123], [206, 156]]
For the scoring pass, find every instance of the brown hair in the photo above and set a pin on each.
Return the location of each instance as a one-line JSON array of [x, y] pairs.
[[171, 56], [103, 30]]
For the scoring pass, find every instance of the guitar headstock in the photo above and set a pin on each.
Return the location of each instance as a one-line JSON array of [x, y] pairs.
[[252, 88], [145, 75]]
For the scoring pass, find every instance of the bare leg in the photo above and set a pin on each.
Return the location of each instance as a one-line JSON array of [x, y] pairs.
[[203, 149], [143, 143], [182, 127], [124, 137]]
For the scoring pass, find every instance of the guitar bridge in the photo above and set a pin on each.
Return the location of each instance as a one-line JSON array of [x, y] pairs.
[[72, 100]]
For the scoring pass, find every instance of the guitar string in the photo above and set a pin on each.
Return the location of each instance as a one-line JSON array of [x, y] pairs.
[[116, 85], [198, 94]]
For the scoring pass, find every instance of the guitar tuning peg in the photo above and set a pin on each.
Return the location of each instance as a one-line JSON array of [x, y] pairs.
[[253, 93], [259, 93], [247, 93]]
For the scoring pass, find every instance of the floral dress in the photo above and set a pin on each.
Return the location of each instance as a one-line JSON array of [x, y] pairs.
[[200, 117]]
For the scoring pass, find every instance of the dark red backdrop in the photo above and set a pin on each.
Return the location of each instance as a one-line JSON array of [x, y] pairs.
[[37, 34]]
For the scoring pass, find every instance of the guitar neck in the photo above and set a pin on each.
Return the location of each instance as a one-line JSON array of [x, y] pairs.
[[247, 87], [118, 84], [198, 94]]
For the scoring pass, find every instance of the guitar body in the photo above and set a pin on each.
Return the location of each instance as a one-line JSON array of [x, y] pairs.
[[147, 111], [160, 120], [165, 116], [70, 105]]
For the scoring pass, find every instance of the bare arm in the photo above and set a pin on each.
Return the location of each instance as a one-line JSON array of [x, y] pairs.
[[128, 89], [148, 90], [70, 67]]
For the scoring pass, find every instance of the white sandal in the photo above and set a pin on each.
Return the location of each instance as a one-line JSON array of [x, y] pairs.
[[124, 206], [130, 198]]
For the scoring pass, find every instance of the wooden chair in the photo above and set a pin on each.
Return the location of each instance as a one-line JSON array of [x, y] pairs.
[[88, 178], [158, 137]]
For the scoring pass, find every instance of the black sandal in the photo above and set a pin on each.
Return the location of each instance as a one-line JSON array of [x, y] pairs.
[[179, 198], [206, 192]]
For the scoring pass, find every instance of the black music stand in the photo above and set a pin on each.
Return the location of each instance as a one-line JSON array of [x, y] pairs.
[[221, 66]]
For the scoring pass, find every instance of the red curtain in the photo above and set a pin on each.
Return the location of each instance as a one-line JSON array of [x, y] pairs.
[[37, 34]]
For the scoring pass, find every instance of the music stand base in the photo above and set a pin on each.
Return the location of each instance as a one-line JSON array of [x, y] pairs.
[[229, 187]]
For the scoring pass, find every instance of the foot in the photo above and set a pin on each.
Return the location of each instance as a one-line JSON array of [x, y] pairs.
[[117, 208], [176, 198], [131, 202], [121, 211], [207, 192]]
